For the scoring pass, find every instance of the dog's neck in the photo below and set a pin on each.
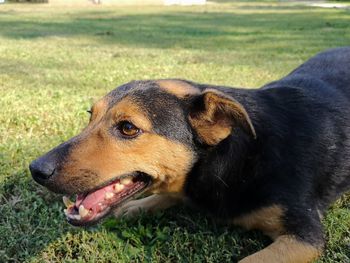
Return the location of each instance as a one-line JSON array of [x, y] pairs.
[[229, 177], [221, 180]]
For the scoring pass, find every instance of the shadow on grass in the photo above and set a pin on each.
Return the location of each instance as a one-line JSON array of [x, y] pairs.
[[32, 220], [190, 30], [183, 235]]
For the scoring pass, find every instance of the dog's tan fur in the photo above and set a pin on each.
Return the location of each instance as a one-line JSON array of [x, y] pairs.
[[267, 219], [285, 249], [178, 88]]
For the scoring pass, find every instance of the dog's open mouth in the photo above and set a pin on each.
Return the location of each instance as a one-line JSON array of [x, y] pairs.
[[90, 207]]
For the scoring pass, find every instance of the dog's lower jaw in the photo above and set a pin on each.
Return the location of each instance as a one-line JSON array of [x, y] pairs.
[[150, 204], [90, 207]]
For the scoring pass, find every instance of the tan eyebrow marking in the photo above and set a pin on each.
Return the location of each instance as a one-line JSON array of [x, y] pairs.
[[128, 109], [178, 88], [99, 109]]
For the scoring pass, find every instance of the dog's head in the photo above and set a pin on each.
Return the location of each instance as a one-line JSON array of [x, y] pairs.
[[142, 136]]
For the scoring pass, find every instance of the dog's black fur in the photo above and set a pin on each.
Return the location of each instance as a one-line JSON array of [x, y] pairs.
[[301, 157]]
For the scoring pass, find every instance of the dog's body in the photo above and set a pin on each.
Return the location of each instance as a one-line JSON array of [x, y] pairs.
[[272, 159]]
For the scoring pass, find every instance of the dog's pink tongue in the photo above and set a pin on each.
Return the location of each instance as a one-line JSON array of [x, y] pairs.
[[93, 199]]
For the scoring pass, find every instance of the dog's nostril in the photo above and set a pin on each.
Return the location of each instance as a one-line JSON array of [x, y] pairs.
[[41, 170]]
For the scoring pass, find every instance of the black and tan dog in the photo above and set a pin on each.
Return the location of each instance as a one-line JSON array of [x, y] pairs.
[[271, 159]]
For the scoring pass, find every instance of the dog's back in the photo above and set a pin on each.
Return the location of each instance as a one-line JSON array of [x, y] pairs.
[[303, 120], [318, 93], [329, 69]]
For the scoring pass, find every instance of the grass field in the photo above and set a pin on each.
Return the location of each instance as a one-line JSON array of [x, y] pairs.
[[56, 60]]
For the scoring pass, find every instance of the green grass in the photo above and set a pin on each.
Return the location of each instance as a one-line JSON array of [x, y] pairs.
[[55, 61]]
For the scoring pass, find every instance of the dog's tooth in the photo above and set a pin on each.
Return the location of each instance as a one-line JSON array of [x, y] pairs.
[[83, 211], [67, 202], [126, 181], [118, 187], [77, 217], [108, 195], [71, 216]]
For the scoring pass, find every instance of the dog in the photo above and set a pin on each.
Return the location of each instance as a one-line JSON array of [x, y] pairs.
[[272, 159]]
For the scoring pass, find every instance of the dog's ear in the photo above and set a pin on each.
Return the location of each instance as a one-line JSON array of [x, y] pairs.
[[214, 115]]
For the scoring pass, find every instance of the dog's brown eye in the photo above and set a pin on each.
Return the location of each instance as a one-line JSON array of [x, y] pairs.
[[128, 129]]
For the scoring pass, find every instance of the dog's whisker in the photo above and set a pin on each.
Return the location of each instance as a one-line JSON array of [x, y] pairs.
[[220, 179]]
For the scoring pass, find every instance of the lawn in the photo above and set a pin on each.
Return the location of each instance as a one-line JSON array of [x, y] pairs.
[[55, 61]]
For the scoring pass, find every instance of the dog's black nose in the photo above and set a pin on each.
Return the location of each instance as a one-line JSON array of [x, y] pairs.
[[41, 170]]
